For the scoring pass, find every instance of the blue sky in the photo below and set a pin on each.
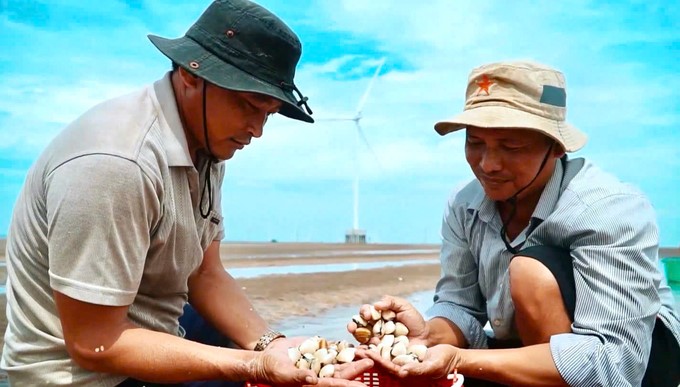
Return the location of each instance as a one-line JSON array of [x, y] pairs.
[[58, 58]]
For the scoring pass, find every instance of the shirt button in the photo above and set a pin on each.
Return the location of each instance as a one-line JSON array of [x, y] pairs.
[[497, 322]]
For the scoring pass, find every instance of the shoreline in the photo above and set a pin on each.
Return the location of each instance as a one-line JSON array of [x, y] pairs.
[[278, 297]]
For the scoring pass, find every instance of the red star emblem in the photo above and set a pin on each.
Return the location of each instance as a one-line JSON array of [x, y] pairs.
[[484, 84]]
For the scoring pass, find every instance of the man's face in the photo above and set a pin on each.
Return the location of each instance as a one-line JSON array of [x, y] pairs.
[[506, 160], [234, 118]]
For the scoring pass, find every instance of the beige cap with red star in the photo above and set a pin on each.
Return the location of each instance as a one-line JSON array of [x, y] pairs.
[[511, 95]]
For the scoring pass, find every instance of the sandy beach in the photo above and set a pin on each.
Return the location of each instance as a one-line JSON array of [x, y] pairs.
[[281, 297]]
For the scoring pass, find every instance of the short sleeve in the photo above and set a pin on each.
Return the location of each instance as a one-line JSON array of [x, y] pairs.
[[100, 213]]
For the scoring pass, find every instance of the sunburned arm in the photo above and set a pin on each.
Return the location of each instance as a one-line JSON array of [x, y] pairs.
[[219, 299], [527, 366], [102, 339]]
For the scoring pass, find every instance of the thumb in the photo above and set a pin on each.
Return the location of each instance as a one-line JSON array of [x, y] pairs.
[[305, 377]]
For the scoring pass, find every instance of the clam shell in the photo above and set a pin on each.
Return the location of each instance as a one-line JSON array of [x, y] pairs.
[[404, 359], [309, 346], [377, 328], [387, 341], [388, 315], [302, 364], [363, 335], [327, 371], [400, 329], [315, 366], [385, 352], [388, 327], [346, 355], [398, 349], [401, 339], [359, 320], [375, 314], [418, 350]]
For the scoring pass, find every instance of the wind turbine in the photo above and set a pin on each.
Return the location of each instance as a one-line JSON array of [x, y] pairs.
[[355, 234]]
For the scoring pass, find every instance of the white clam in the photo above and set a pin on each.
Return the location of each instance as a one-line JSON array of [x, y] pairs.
[[309, 346], [359, 320], [375, 314], [400, 329], [315, 366], [404, 359], [327, 371], [398, 349], [401, 339], [302, 364], [377, 328], [346, 355], [385, 352], [388, 327], [387, 341], [418, 350], [388, 315]]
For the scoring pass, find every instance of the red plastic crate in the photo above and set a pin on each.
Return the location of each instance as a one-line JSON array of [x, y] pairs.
[[376, 378]]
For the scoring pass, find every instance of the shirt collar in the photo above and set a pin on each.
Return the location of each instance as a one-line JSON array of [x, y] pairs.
[[172, 131]]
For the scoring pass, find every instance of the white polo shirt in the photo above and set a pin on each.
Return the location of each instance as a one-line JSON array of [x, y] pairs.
[[109, 215]]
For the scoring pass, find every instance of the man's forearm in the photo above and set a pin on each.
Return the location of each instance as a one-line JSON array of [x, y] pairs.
[[527, 366], [443, 331], [218, 298], [162, 358]]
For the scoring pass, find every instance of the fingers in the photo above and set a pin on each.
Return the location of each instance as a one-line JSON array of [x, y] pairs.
[[351, 327], [306, 377], [365, 312], [392, 303], [383, 363]]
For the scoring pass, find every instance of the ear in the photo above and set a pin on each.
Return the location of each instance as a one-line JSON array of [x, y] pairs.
[[189, 80], [558, 151]]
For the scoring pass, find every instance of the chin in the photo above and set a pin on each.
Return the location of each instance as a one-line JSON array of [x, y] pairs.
[[496, 195]]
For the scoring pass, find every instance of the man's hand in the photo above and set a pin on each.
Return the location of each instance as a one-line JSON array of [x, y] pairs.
[[273, 366], [406, 314], [439, 361]]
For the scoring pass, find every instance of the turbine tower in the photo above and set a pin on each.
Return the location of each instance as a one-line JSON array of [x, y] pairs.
[[355, 234]]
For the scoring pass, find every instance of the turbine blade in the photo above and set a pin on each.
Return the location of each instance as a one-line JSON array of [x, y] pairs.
[[334, 119], [368, 145], [364, 97]]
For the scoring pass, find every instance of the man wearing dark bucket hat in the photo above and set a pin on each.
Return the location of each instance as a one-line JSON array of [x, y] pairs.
[[119, 223], [558, 256]]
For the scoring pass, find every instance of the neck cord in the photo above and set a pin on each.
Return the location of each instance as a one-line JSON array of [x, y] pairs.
[[207, 185], [513, 204]]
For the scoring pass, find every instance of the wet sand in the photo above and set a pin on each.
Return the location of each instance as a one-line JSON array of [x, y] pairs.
[[280, 297], [293, 296]]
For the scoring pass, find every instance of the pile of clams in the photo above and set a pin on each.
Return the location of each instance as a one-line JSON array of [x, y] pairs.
[[394, 343], [320, 356]]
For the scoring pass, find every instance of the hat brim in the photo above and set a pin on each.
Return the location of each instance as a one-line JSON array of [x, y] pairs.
[[223, 74], [501, 117]]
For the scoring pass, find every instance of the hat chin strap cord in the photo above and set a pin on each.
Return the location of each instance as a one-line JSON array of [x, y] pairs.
[[302, 99], [207, 186], [513, 203]]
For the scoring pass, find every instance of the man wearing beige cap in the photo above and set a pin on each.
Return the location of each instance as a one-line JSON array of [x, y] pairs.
[[558, 256]]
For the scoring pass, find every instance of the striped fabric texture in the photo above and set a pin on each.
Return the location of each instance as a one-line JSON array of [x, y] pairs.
[[610, 229]]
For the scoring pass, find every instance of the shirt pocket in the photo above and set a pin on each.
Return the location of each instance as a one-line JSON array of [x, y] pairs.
[[209, 228]]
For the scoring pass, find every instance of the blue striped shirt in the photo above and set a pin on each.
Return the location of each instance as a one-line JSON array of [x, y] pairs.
[[610, 229]]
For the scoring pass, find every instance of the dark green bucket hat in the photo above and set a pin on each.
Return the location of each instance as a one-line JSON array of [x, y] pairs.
[[239, 45]]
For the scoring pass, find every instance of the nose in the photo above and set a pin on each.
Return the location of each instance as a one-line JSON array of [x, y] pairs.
[[490, 162]]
